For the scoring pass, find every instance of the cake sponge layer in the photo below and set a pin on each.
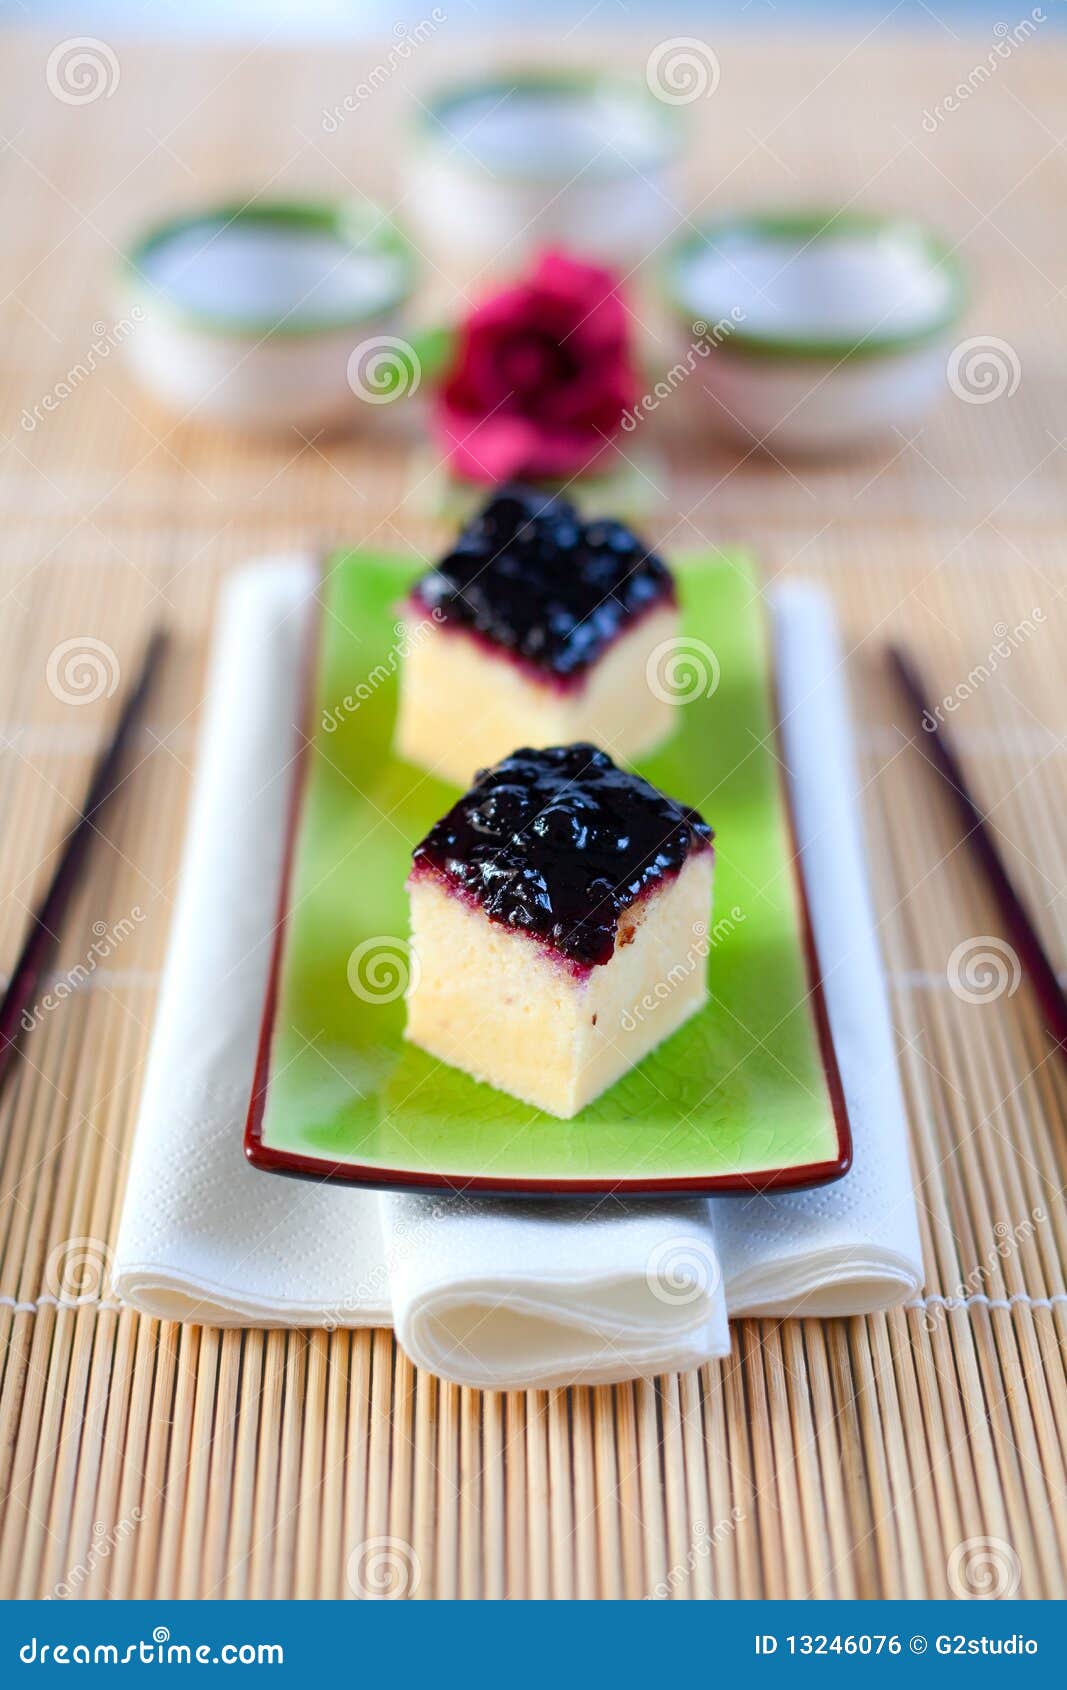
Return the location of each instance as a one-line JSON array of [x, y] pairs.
[[512, 1013], [462, 707]]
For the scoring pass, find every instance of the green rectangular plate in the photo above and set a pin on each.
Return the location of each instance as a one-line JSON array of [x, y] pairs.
[[745, 1096]]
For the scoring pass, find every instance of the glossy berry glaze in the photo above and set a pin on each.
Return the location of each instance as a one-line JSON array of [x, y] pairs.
[[558, 844], [536, 584]]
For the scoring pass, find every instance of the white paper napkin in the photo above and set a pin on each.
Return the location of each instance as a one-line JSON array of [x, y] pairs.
[[852, 1247], [498, 1295]]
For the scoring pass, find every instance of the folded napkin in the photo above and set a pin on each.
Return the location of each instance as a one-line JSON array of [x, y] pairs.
[[501, 1295]]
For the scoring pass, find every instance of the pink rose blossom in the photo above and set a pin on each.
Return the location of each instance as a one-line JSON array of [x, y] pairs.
[[541, 377]]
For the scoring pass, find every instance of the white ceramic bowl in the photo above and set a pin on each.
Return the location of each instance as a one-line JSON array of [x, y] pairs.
[[266, 316], [815, 332], [515, 163]]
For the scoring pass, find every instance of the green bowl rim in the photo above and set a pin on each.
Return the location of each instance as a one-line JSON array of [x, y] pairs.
[[817, 225], [548, 80], [340, 218]]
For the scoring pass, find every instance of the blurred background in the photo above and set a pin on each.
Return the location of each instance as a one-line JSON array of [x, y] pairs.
[[290, 18], [124, 115]]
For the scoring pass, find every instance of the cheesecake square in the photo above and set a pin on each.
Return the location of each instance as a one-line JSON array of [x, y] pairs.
[[559, 922], [537, 629]]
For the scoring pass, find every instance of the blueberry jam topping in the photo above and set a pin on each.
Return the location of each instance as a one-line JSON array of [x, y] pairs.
[[559, 843], [530, 577]]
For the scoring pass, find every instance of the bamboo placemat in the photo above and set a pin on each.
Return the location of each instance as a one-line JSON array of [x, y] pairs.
[[910, 1454]]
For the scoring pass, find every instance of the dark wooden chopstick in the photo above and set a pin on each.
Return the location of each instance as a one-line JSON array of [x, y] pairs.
[[47, 919], [1024, 936]]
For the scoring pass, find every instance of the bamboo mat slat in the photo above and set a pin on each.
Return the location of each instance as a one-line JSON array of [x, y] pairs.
[[881, 1457]]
